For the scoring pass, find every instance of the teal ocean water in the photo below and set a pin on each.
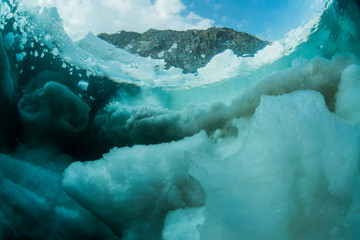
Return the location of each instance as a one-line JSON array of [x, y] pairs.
[[97, 143]]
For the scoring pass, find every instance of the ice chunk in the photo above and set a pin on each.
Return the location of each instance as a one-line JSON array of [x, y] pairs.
[[48, 37], [132, 189], [147, 124], [83, 85], [20, 56], [53, 112], [348, 96], [174, 46], [318, 74], [55, 51], [182, 224], [9, 40], [296, 176], [161, 54], [33, 206]]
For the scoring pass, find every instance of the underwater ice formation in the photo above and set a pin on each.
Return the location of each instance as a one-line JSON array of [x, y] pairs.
[[97, 143]]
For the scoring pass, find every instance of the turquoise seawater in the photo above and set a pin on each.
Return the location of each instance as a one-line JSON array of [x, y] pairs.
[[97, 143]]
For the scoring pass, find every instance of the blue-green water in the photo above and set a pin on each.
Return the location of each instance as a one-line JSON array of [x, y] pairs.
[[97, 143]]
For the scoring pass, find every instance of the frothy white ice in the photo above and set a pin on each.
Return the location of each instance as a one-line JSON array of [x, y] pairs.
[[279, 159], [291, 172]]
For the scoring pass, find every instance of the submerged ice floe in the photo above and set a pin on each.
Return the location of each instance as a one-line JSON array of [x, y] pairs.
[[297, 168], [295, 185], [97, 143], [143, 184], [34, 207]]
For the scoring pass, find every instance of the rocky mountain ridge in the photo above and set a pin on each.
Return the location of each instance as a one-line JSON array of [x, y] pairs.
[[189, 50]]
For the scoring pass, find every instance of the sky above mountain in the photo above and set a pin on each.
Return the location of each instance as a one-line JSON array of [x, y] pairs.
[[268, 19]]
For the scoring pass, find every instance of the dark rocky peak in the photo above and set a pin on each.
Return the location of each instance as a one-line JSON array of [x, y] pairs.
[[121, 38], [189, 50]]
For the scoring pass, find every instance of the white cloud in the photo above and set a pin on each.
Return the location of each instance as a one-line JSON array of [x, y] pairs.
[[217, 7], [114, 15], [243, 24], [168, 8], [224, 19]]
